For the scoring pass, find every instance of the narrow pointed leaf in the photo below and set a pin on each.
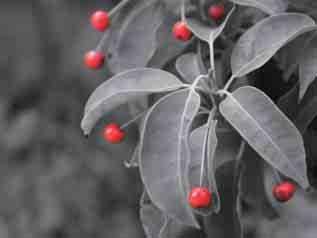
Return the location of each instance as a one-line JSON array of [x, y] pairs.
[[256, 46], [271, 7], [164, 153], [123, 88], [267, 130]]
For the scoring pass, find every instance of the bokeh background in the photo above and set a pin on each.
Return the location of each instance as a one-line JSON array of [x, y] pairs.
[[55, 183]]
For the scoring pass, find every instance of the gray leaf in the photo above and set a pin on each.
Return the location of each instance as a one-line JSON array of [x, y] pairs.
[[288, 57], [224, 224], [263, 40], [307, 112], [307, 67], [296, 218], [203, 142], [212, 143], [271, 7], [288, 103], [187, 65], [267, 130], [304, 5], [157, 225], [205, 32], [164, 152], [123, 88], [173, 229], [167, 46], [152, 218], [226, 145], [132, 43]]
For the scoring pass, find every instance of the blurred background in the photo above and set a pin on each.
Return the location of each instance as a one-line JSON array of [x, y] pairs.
[[55, 183]]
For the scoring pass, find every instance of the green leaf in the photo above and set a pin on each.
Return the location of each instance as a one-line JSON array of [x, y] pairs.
[[126, 87], [271, 7], [267, 130], [256, 46], [164, 153]]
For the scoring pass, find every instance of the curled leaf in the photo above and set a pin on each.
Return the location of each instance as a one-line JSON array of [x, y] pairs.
[[126, 87]]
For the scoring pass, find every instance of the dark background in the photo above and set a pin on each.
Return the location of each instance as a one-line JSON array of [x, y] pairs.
[[53, 182]]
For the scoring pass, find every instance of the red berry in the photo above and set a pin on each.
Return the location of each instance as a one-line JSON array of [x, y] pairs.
[[217, 12], [181, 31], [199, 197], [284, 191], [100, 20], [94, 59], [113, 133]]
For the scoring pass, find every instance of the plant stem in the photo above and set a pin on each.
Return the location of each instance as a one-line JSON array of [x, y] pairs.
[[137, 117], [118, 7], [228, 84]]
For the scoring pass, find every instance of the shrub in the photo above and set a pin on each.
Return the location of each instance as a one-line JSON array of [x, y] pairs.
[[223, 94]]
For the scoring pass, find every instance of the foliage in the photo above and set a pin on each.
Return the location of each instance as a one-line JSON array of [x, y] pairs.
[[200, 126]]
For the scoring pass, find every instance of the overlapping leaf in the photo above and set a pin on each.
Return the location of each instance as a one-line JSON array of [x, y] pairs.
[[164, 153], [167, 47], [226, 223], [151, 217], [306, 110], [187, 65], [131, 42], [307, 66], [125, 87], [271, 7], [263, 40], [203, 142], [203, 31], [267, 130], [296, 218]]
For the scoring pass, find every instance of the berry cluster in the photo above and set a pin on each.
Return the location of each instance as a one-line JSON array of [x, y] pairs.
[[199, 197], [100, 21]]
